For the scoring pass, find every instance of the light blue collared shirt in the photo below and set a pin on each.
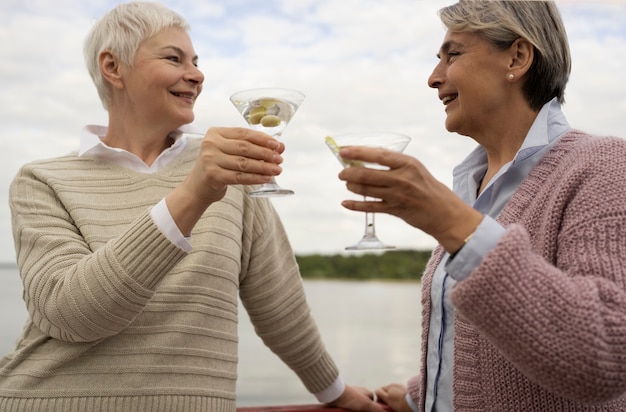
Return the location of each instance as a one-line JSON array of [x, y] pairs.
[[549, 125]]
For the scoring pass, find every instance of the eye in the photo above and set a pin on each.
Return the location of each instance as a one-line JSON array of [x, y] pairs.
[[452, 55], [174, 59], [449, 55]]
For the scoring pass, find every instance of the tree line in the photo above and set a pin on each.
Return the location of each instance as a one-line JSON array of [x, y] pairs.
[[393, 265], [390, 265]]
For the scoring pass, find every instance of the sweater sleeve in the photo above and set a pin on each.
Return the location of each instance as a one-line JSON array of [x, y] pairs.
[[413, 392], [72, 293], [272, 292], [551, 297]]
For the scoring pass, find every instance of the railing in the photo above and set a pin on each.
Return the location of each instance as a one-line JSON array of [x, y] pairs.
[[294, 408]]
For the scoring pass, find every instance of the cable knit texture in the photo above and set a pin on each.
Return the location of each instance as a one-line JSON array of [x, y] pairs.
[[540, 325], [121, 319]]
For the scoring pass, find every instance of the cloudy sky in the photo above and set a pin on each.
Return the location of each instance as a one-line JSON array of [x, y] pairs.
[[362, 64]]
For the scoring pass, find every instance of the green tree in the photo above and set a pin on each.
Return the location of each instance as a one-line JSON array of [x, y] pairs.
[[395, 264]]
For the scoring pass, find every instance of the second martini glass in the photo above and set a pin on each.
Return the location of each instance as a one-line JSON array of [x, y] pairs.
[[268, 110], [386, 140]]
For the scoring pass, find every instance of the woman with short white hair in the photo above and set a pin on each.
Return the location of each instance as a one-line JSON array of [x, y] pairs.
[[135, 248]]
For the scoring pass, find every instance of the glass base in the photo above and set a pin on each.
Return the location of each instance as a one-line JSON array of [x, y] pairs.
[[270, 190], [369, 242]]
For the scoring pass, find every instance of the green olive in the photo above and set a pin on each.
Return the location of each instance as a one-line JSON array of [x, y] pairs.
[[258, 109], [255, 118], [270, 121], [267, 102]]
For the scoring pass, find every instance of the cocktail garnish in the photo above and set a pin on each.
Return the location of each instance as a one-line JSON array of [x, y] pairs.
[[334, 147], [270, 120]]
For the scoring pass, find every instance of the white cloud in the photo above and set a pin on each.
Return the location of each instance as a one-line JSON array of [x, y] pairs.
[[362, 64]]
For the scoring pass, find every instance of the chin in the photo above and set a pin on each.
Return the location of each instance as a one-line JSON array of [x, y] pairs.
[[450, 126], [186, 119], [454, 125]]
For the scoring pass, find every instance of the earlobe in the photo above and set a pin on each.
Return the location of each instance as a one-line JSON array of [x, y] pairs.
[[523, 54], [110, 68]]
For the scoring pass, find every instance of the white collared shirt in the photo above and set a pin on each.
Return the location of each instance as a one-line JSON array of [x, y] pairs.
[[91, 144]]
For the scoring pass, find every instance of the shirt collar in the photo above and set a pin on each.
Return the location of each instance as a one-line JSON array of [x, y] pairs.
[[91, 144], [549, 125]]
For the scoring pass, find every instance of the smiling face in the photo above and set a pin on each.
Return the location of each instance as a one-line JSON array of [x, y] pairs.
[[471, 79], [164, 82]]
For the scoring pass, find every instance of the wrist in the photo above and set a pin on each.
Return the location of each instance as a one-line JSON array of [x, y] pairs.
[[460, 232], [453, 254]]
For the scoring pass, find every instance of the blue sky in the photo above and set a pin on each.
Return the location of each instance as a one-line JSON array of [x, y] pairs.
[[362, 64]]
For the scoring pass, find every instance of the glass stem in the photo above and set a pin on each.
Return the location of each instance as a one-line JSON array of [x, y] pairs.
[[370, 228]]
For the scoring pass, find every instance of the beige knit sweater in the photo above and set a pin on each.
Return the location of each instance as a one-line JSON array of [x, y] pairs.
[[121, 319]]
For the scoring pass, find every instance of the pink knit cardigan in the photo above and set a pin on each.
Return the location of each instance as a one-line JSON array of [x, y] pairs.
[[540, 325]]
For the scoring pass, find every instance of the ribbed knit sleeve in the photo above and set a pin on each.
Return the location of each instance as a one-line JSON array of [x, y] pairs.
[[72, 292], [551, 297], [414, 388], [273, 295]]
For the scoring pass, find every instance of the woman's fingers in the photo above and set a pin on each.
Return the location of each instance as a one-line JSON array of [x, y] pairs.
[[247, 142], [240, 156], [394, 396], [374, 155]]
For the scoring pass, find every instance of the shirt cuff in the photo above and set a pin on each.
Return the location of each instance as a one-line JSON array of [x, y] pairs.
[[485, 238], [164, 221], [331, 393]]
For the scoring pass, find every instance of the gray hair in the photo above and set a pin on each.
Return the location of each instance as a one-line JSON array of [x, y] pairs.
[[121, 31], [503, 22]]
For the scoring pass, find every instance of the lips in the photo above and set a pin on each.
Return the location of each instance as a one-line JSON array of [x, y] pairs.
[[447, 99], [188, 95]]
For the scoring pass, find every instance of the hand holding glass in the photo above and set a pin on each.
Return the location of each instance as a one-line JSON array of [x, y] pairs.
[[268, 110], [385, 140]]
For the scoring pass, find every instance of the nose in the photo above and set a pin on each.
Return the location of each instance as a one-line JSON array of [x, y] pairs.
[[437, 77], [194, 75]]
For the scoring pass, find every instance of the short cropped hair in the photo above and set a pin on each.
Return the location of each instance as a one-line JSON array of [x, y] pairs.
[[121, 31], [503, 22]]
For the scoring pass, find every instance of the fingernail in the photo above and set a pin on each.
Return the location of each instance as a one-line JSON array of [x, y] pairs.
[[274, 145]]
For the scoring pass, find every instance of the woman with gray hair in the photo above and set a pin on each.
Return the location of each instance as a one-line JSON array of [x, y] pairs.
[[134, 249], [524, 299]]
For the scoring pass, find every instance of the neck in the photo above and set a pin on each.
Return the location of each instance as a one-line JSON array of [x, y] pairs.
[[503, 142], [145, 142]]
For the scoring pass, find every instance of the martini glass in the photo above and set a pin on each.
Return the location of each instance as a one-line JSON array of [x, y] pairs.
[[268, 110], [385, 140]]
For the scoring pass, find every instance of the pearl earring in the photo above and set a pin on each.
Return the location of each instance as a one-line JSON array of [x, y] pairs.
[[511, 76]]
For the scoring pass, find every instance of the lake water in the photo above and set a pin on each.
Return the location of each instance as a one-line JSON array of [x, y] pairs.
[[372, 329]]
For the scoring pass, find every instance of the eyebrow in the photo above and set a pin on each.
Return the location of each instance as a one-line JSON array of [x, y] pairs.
[[181, 52]]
